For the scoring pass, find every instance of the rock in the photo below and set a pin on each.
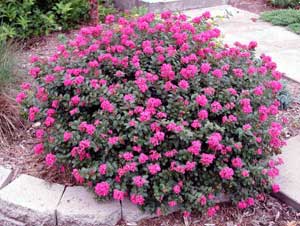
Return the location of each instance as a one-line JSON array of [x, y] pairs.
[[5, 176], [132, 214], [30, 200], [78, 207], [289, 176]]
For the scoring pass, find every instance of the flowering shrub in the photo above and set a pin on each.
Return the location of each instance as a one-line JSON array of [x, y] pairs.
[[158, 110]]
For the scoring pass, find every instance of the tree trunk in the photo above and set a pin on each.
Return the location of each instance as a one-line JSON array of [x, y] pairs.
[[94, 17]]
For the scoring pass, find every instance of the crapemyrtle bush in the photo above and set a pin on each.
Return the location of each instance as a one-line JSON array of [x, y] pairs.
[[158, 110]]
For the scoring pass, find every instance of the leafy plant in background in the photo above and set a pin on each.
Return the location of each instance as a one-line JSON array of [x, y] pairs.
[[156, 110], [22, 19], [284, 17], [105, 8], [284, 96], [285, 3]]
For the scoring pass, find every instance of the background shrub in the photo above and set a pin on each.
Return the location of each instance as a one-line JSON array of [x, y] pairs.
[[27, 18], [158, 110], [285, 3]]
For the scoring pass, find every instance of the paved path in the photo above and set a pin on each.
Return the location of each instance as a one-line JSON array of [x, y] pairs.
[[282, 45]]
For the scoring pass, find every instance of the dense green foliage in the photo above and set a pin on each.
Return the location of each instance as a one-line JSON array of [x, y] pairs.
[[28, 18], [284, 17], [285, 3]]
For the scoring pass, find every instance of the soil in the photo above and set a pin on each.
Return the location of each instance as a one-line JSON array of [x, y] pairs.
[[19, 155]]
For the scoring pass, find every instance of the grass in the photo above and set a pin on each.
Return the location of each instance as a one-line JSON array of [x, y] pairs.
[[289, 18], [9, 118]]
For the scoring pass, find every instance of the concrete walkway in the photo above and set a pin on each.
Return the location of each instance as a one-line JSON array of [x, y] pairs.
[[282, 45]]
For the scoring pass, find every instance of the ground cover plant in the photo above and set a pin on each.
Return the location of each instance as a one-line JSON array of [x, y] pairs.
[[157, 109], [284, 17], [285, 3]]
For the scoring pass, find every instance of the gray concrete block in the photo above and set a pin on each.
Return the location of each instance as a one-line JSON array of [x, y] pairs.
[[78, 207], [289, 178], [132, 214], [30, 200], [5, 176]]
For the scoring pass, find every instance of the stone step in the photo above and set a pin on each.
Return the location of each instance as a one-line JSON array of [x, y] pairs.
[[163, 5]]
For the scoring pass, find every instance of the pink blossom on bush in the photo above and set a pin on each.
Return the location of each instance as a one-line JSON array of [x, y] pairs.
[[226, 173], [102, 189]]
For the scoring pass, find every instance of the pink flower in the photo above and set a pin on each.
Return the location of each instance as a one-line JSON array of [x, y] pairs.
[[113, 140], [138, 181], [195, 148], [172, 203], [50, 159], [137, 199], [20, 97], [77, 176], [205, 68], [242, 204], [217, 73], [39, 133], [214, 141], [215, 107], [154, 168], [207, 159], [176, 189], [107, 106], [49, 121], [201, 100], [102, 189], [183, 84], [75, 100], [275, 188], [226, 173], [245, 173], [237, 162], [202, 200], [67, 136], [102, 169], [118, 195], [203, 114], [38, 149]]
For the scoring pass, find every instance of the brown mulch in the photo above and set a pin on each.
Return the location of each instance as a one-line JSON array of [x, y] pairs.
[[270, 212]]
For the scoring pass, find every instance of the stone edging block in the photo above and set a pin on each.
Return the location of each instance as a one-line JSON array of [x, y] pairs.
[[79, 207], [30, 200], [5, 176]]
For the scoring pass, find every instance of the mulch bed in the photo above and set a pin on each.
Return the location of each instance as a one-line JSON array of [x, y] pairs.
[[19, 155]]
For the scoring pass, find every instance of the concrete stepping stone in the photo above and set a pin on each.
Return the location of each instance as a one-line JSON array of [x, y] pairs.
[[289, 179], [78, 207], [5, 176], [29, 201]]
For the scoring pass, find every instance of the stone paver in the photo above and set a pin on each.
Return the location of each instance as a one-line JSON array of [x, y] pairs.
[[132, 214], [243, 26], [289, 178], [78, 207], [29, 200], [5, 176]]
